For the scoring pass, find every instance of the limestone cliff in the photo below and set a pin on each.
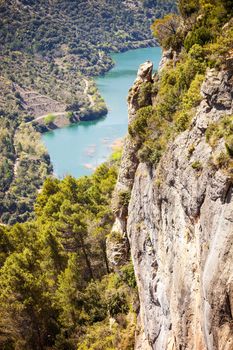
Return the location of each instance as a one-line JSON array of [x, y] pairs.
[[178, 220], [117, 243]]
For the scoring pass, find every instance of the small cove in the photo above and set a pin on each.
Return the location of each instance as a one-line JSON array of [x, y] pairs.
[[79, 148]]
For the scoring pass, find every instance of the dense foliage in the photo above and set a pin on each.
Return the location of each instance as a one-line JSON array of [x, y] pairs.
[[83, 27], [56, 290], [203, 39], [24, 162]]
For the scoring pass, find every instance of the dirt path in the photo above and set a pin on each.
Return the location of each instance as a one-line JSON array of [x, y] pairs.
[[86, 93], [56, 114], [16, 166]]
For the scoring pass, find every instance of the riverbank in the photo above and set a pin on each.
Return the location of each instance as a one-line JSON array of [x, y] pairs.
[[95, 109], [80, 148]]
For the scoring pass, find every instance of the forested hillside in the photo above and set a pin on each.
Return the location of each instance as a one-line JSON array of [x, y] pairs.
[[24, 162], [48, 46], [49, 51], [56, 289]]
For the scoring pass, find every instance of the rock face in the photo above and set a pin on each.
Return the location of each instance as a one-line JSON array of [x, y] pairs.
[[179, 223], [117, 243]]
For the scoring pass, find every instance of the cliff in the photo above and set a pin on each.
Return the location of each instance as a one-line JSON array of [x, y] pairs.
[[176, 217]]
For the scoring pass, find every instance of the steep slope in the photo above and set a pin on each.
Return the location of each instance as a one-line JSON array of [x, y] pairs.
[[173, 199], [181, 233]]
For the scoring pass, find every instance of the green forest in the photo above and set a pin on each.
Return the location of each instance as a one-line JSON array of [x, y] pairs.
[[56, 286]]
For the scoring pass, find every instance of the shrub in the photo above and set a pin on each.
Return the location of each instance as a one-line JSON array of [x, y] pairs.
[[49, 119], [188, 8], [192, 97], [175, 83], [138, 126], [117, 303], [116, 237], [191, 149], [99, 336], [128, 276], [178, 95], [222, 160], [197, 52], [124, 198], [216, 131], [229, 145], [182, 120], [144, 96], [116, 155], [151, 152], [166, 31], [199, 36], [197, 165]]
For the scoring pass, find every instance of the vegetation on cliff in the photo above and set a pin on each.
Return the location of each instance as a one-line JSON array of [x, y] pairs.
[[200, 38], [179, 185]]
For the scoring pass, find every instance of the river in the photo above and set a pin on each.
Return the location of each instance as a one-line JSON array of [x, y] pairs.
[[79, 148]]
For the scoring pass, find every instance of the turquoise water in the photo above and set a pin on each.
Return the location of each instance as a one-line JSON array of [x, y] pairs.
[[79, 148]]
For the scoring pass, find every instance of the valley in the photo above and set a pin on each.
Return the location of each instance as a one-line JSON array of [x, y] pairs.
[[50, 52], [78, 149]]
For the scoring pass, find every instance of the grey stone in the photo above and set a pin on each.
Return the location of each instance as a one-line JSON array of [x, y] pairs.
[[179, 224]]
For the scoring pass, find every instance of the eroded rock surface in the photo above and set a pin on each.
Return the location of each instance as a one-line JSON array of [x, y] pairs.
[[179, 224], [117, 243]]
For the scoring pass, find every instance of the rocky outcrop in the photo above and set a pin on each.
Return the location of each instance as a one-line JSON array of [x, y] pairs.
[[179, 224], [117, 242]]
